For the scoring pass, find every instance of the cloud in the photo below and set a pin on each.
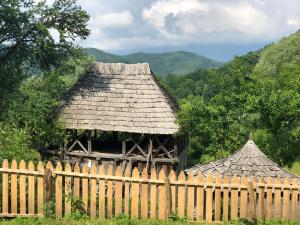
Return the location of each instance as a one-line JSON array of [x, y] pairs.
[[112, 20]]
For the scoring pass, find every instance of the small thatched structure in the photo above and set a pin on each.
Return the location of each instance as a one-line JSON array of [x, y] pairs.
[[126, 99], [248, 161]]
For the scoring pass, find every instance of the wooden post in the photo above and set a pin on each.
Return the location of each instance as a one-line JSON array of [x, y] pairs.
[[225, 198], [252, 205], [181, 195], [190, 197], [286, 199], [295, 209], [14, 188], [58, 191], [218, 198], [153, 194], [93, 184], [244, 198], [90, 142], [85, 187], [5, 188], [22, 188], [277, 199], [168, 204], [48, 183], [109, 192], [123, 148], [68, 190], [150, 149], [40, 191], [261, 197], [31, 189], [144, 195], [200, 198], [118, 192], [102, 193], [172, 177], [209, 198], [135, 195], [76, 191]]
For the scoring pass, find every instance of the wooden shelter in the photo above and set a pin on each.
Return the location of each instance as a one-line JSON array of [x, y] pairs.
[[249, 161], [121, 112]]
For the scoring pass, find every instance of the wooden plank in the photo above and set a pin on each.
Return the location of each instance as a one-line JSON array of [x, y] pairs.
[[85, 188], [218, 198], [294, 205], [244, 198], [93, 183], [209, 198], [153, 193], [23, 207], [40, 190], [255, 181], [118, 192], [135, 195], [261, 197], [76, 188], [181, 195], [168, 198], [48, 184], [190, 197], [269, 203], [127, 190], [14, 188], [286, 199], [110, 192], [101, 193], [31, 189], [277, 199], [252, 204], [162, 196], [225, 198], [68, 190], [172, 177], [58, 192], [200, 198], [5, 188], [144, 195]]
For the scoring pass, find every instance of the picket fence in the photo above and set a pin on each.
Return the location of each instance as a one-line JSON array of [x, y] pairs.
[[106, 192]]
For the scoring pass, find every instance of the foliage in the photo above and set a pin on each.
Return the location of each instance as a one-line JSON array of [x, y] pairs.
[[220, 107], [161, 63]]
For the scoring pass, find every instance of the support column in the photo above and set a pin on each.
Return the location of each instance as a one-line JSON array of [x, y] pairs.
[[89, 142]]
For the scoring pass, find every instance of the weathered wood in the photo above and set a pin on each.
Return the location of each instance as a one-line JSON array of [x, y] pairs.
[[269, 203], [40, 190], [58, 192], [295, 207], [150, 150], [5, 188], [162, 196], [127, 189], [209, 198], [261, 197], [200, 198], [172, 178], [76, 188], [168, 198], [190, 197], [153, 193], [244, 198], [144, 195], [48, 182], [135, 195], [101, 193], [109, 192], [277, 199], [252, 204], [118, 192], [225, 198], [31, 189], [218, 198], [93, 184], [22, 189], [181, 195], [85, 188], [14, 188], [286, 199], [68, 190], [123, 148]]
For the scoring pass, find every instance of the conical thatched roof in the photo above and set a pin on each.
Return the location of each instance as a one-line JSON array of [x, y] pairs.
[[119, 97], [248, 161]]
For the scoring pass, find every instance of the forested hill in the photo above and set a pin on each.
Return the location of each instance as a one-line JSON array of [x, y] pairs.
[[161, 63], [258, 93]]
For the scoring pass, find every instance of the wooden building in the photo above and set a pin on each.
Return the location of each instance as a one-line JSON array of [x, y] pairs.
[[120, 112], [249, 161]]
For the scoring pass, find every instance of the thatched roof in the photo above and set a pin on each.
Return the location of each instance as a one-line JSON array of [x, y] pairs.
[[119, 97], [248, 161]]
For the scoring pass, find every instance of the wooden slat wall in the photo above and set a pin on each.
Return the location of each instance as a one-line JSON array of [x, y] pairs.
[[146, 195]]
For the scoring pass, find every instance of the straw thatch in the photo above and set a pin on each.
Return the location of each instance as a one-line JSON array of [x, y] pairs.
[[248, 161], [119, 97]]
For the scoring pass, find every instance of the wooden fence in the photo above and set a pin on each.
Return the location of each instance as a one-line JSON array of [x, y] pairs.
[[106, 192]]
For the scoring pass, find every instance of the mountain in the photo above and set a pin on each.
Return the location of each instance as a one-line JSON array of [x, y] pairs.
[[179, 62]]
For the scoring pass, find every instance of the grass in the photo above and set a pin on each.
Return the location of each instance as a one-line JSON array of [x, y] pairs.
[[295, 168], [123, 221]]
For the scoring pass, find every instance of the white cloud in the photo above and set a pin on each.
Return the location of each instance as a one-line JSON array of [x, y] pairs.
[[294, 22], [113, 20]]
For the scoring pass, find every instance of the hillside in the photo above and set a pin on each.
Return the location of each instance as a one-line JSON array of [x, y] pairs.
[[161, 63]]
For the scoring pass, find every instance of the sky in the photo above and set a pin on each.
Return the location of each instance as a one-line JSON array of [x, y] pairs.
[[219, 29]]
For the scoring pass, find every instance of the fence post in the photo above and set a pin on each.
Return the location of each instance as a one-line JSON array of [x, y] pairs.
[[252, 207], [168, 197], [48, 185], [5, 188]]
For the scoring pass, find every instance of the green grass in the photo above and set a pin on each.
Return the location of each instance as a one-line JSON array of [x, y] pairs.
[[295, 168], [123, 221]]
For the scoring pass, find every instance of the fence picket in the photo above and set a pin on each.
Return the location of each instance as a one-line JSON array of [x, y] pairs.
[[144, 195], [200, 198], [76, 188], [58, 191], [261, 198], [286, 199], [93, 184], [5, 188], [109, 192], [225, 198], [135, 194], [209, 198], [190, 197], [153, 194], [244, 198], [181, 195], [118, 192], [101, 193], [14, 188], [269, 203], [127, 190], [172, 178], [31, 189], [40, 190], [295, 209], [234, 198], [218, 198], [277, 199], [85, 188], [162, 196], [22, 166], [68, 190]]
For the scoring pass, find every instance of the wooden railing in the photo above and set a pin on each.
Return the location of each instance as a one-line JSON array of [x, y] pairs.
[[105, 192]]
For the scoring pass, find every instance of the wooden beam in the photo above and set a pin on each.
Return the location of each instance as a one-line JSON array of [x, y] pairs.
[[123, 148], [149, 152]]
